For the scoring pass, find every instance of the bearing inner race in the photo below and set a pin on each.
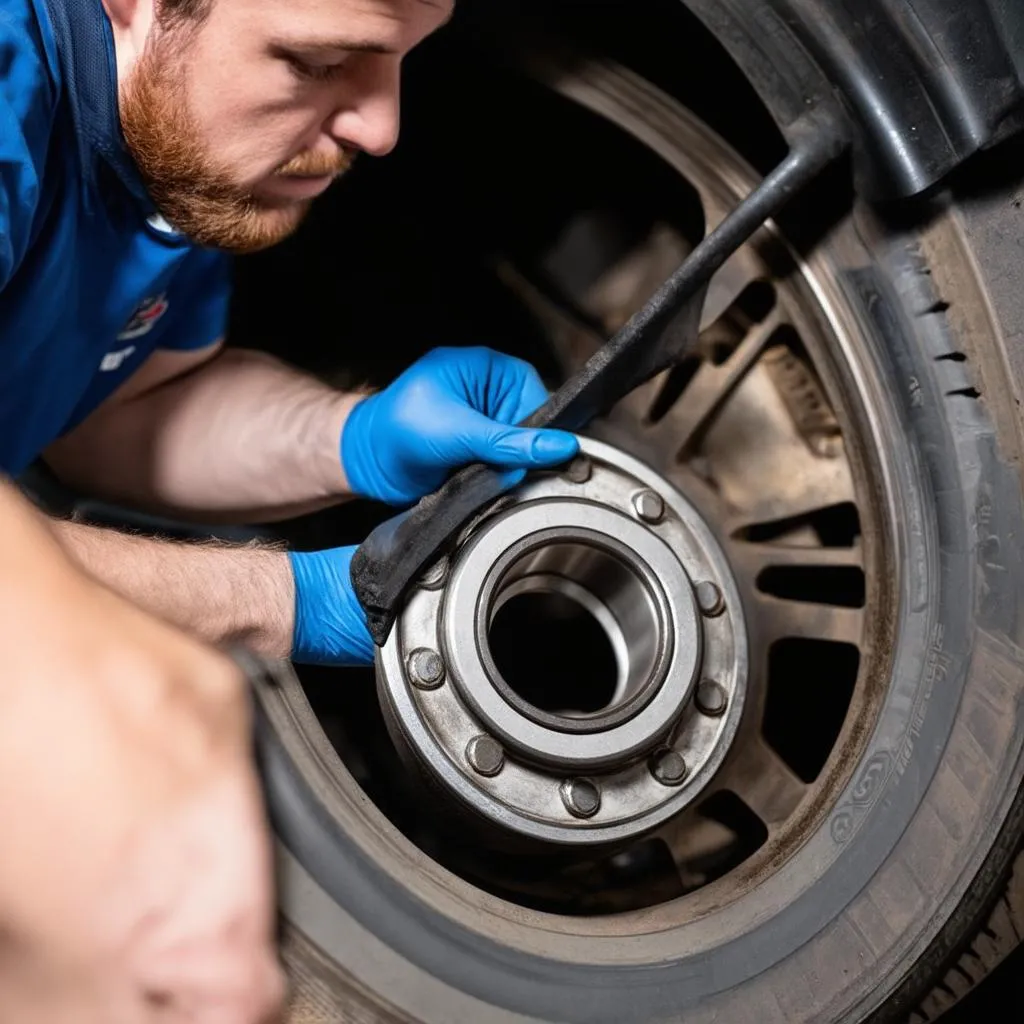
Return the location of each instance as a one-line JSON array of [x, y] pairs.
[[610, 583]]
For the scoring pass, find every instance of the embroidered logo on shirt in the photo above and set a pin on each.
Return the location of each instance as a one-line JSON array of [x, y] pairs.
[[115, 360], [145, 318]]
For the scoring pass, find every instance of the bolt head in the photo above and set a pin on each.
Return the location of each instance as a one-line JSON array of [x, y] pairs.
[[426, 668], [579, 471], [649, 506], [581, 797], [711, 698], [436, 574], [485, 755], [709, 598], [669, 767]]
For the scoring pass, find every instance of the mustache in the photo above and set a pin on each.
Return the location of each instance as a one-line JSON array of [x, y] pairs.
[[317, 165]]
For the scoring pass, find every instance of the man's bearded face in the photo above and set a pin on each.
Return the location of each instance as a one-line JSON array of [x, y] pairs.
[[202, 197]]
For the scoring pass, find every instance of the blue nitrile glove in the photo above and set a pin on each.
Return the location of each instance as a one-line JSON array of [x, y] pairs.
[[452, 407], [330, 626]]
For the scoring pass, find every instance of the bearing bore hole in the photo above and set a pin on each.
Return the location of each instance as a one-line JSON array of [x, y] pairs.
[[554, 654], [573, 630]]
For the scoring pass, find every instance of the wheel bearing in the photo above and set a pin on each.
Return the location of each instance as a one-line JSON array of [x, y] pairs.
[[637, 576]]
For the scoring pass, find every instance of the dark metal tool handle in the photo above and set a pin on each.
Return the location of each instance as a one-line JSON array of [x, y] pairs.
[[397, 552]]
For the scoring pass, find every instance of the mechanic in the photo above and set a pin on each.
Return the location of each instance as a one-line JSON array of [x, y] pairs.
[[142, 142], [139, 138]]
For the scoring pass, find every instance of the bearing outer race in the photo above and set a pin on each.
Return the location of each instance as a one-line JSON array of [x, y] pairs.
[[597, 722], [473, 577]]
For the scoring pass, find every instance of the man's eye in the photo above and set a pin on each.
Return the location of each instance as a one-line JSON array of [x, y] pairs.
[[313, 72]]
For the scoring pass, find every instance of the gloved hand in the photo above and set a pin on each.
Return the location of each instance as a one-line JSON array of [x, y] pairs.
[[450, 408], [330, 626]]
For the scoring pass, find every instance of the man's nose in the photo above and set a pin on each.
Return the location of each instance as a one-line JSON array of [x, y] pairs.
[[369, 118]]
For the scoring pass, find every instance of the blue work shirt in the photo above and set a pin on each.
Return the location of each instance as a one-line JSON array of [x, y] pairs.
[[92, 280]]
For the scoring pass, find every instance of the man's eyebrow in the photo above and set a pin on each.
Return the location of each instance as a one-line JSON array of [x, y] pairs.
[[327, 47]]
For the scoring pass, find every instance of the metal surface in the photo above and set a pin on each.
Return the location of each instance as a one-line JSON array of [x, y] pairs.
[[627, 579], [435, 575], [657, 336], [579, 470], [636, 580]]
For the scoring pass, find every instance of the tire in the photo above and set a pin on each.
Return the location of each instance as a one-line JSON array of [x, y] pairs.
[[902, 891]]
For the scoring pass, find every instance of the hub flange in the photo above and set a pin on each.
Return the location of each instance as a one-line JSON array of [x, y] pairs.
[[577, 536]]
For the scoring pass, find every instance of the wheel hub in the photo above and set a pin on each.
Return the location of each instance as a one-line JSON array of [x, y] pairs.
[[614, 542]]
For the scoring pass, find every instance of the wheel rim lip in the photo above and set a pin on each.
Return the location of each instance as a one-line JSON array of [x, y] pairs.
[[545, 923]]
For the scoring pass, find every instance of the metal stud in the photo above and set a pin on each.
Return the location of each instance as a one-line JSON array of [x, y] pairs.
[[709, 598], [649, 506], [485, 755], [581, 797], [668, 767], [711, 698], [426, 668]]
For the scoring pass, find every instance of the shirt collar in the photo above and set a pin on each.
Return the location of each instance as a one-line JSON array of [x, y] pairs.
[[85, 48]]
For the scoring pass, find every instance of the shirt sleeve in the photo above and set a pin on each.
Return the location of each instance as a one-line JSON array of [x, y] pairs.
[[198, 301], [26, 116]]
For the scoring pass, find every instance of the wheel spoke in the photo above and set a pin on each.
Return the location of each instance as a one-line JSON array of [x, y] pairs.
[[707, 500], [754, 558], [711, 386], [635, 406], [728, 283], [777, 619], [809, 487], [765, 783], [691, 836]]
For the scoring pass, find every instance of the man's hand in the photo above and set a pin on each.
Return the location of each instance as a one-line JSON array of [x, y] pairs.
[[330, 624], [451, 408], [135, 880]]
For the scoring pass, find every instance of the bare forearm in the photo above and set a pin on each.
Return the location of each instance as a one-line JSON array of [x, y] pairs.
[[242, 438], [221, 594]]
